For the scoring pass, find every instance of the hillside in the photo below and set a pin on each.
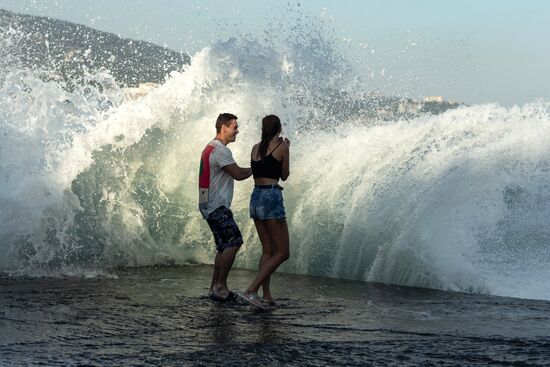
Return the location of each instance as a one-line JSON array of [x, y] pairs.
[[69, 49]]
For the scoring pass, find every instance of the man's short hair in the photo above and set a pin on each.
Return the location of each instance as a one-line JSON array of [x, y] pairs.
[[223, 119]]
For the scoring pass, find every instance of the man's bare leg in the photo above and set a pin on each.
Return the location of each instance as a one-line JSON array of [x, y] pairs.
[[216, 273], [227, 258]]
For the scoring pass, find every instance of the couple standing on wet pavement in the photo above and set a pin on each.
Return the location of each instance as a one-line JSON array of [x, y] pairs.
[[218, 170]]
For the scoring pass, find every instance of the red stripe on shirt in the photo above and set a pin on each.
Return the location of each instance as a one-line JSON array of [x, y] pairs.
[[204, 171]]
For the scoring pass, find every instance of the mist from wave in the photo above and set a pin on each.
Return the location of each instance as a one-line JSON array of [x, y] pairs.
[[91, 181]]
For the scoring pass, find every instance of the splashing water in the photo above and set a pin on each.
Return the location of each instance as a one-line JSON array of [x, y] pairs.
[[91, 181]]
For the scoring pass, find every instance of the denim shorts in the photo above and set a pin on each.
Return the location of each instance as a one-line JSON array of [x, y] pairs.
[[225, 230], [266, 202]]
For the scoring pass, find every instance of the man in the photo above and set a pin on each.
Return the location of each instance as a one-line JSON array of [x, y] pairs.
[[217, 172]]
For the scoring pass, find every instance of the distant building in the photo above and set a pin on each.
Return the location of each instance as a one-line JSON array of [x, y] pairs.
[[437, 99], [133, 93], [409, 106]]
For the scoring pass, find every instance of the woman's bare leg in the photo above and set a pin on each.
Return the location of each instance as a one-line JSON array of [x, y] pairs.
[[267, 252], [277, 230]]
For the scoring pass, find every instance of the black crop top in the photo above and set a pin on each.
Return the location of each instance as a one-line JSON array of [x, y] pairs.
[[269, 167]]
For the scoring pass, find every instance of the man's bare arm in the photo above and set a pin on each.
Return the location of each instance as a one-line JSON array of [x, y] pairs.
[[238, 173]]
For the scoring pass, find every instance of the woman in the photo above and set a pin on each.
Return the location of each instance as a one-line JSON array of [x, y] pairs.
[[269, 162]]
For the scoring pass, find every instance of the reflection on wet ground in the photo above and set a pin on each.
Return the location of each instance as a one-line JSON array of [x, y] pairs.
[[161, 316]]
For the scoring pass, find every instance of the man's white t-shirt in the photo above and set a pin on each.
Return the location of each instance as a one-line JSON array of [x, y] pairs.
[[215, 185]]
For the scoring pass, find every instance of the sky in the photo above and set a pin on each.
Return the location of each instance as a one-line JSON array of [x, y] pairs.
[[471, 51]]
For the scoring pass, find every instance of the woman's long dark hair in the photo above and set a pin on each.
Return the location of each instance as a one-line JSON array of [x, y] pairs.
[[271, 126]]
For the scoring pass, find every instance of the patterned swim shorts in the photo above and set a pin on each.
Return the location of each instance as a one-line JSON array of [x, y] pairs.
[[266, 202], [225, 230]]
